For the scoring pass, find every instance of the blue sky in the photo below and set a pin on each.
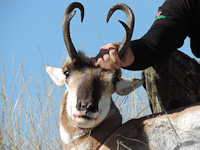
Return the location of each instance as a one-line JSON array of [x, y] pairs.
[[25, 25]]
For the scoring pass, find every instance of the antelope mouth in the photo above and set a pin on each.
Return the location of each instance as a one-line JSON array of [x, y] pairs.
[[86, 117], [85, 120]]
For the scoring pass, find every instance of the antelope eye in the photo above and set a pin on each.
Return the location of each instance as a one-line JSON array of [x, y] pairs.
[[66, 73]]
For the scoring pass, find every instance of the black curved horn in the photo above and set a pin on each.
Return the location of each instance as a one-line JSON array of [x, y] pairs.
[[129, 27], [68, 15]]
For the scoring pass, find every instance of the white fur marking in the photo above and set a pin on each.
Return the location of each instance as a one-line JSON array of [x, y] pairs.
[[104, 107], [67, 138]]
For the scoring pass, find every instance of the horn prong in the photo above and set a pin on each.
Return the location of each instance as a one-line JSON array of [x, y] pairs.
[[128, 27]]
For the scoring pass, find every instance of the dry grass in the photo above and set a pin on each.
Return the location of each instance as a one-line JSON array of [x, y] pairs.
[[29, 116], [28, 121]]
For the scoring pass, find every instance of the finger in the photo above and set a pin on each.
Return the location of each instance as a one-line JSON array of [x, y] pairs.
[[109, 63], [103, 64], [101, 53], [99, 57], [114, 57]]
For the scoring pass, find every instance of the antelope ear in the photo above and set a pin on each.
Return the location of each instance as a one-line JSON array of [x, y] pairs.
[[56, 75], [126, 85]]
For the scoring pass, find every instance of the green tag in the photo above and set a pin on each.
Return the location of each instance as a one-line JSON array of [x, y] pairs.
[[159, 17]]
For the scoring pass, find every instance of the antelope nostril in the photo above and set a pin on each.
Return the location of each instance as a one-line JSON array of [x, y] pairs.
[[91, 107], [82, 105]]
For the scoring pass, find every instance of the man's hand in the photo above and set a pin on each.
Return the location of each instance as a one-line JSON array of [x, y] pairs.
[[109, 59]]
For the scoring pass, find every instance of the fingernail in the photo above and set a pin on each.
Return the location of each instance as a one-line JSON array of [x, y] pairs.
[[96, 64]]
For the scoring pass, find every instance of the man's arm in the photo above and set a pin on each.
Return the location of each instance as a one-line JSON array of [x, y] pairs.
[[156, 44]]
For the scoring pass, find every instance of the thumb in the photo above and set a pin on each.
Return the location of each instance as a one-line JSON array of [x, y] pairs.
[[128, 58]]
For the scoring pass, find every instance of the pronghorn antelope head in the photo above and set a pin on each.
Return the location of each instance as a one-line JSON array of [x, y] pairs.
[[89, 88]]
